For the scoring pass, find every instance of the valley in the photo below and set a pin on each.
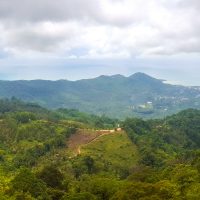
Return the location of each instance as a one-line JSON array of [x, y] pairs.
[[117, 96], [99, 100], [67, 154]]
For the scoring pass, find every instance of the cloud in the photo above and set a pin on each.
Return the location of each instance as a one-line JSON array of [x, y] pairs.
[[46, 10], [42, 37], [99, 28], [117, 12]]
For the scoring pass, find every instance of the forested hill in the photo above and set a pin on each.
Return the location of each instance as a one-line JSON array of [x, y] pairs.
[[115, 96], [70, 155]]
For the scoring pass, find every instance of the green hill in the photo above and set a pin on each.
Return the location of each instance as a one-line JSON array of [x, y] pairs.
[[61, 155], [115, 96]]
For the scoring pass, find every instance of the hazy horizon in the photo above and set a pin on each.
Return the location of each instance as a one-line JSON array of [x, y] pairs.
[[175, 76], [85, 39]]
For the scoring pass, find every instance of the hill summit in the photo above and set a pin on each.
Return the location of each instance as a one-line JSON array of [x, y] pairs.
[[115, 96]]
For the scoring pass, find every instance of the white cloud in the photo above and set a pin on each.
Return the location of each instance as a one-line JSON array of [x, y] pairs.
[[103, 28]]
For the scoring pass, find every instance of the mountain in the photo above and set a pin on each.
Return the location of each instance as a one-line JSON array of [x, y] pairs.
[[115, 96]]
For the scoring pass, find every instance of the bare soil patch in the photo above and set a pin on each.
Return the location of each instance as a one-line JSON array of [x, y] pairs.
[[83, 137]]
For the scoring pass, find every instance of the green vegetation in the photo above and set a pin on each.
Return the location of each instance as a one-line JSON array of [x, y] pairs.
[[98, 122], [115, 96], [113, 153], [148, 159]]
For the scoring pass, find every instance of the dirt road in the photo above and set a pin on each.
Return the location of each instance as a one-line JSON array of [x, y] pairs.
[[84, 137]]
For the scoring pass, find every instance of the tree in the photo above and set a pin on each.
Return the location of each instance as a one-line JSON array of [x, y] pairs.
[[89, 162], [80, 196], [26, 182], [52, 176]]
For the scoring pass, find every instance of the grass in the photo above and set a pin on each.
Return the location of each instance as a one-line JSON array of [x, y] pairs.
[[112, 152]]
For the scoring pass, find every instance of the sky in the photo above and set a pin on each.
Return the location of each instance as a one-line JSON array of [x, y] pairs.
[[77, 39]]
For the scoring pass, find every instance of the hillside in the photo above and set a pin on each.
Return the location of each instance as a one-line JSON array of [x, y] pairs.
[[65, 157], [115, 96]]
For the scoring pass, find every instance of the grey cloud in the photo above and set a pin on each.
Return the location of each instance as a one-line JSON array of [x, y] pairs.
[[37, 10], [18, 11], [38, 37], [189, 3], [34, 41], [160, 27]]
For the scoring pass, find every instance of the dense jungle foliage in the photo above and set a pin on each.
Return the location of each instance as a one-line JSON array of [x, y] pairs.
[[148, 159]]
